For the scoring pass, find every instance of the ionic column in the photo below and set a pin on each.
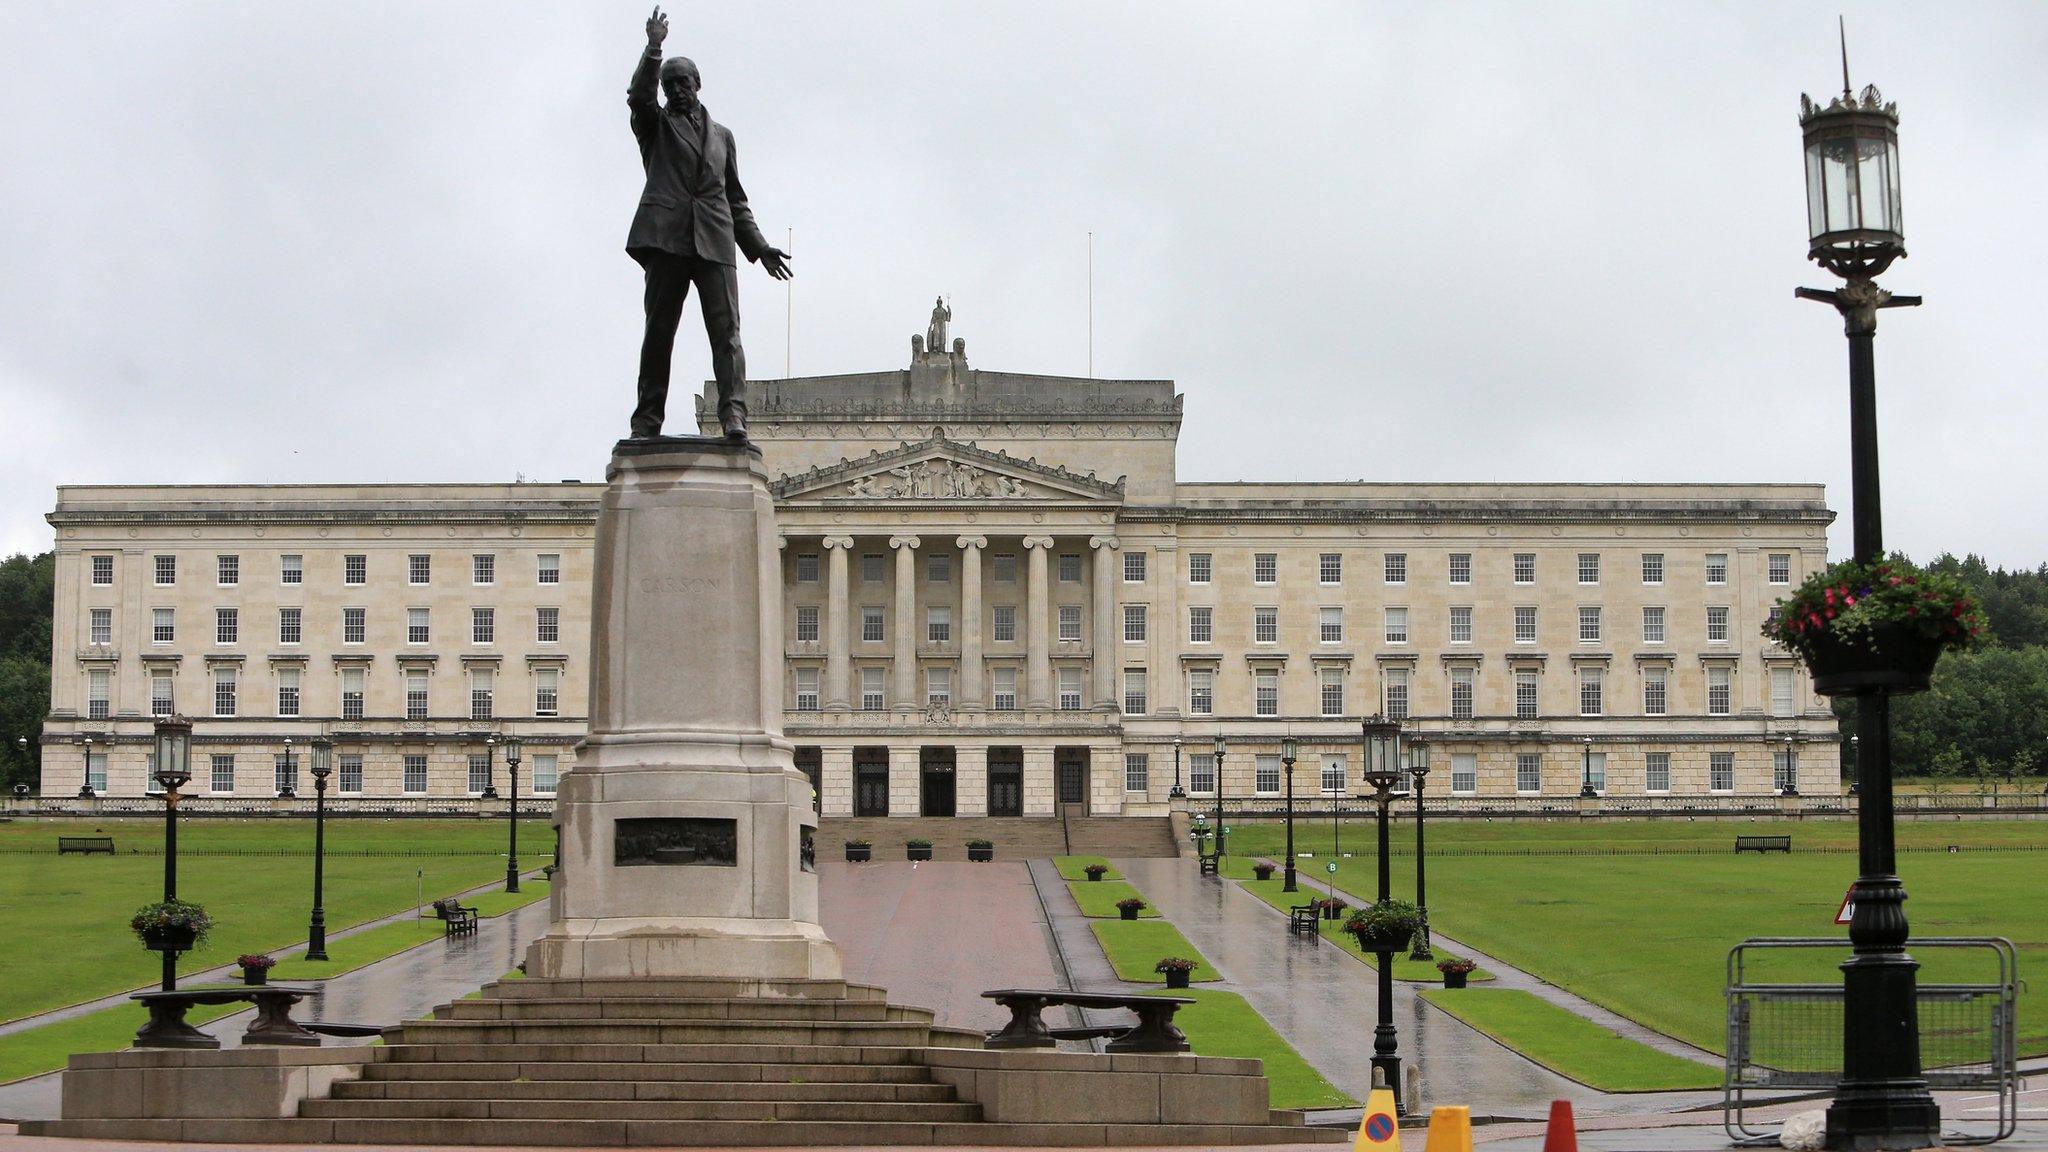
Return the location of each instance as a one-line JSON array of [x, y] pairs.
[[1103, 613], [1037, 626], [968, 694], [905, 686], [838, 633]]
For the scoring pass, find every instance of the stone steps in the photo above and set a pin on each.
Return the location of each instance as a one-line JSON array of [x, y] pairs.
[[681, 1009], [852, 1111], [684, 1133], [653, 1072], [642, 1054], [850, 1033], [1122, 837], [679, 988], [629, 1086]]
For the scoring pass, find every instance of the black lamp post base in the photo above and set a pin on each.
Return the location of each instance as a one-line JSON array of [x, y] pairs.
[[1287, 882], [316, 938], [1884, 1114], [488, 794], [86, 793], [511, 877]]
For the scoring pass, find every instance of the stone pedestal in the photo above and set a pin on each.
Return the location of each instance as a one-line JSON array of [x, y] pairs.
[[684, 822]]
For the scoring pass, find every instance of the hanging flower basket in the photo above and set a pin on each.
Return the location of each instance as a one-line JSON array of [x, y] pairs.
[[1878, 627], [1384, 927], [171, 925]]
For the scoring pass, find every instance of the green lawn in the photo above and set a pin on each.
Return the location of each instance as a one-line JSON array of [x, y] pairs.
[[1265, 839], [1569, 1044], [1419, 971], [1072, 867], [1134, 946], [1099, 897], [64, 934], [1222, 1024]]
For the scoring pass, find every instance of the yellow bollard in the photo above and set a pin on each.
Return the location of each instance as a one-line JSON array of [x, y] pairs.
[[1379, 1130], [1450, 1129]]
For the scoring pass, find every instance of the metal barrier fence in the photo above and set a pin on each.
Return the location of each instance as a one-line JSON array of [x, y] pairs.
[[1788, 1035]]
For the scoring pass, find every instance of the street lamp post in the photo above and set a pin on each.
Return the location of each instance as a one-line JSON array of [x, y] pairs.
[[1178, 792], [1288, 748], [1220, 745], [85, 792], [1855, 232], [1586, 789], [1383, 771], [512, 749], [323, 765], [1791, 787], [173, 770], [1855, 764], [490, 791], [290, 790], [1418, 767]]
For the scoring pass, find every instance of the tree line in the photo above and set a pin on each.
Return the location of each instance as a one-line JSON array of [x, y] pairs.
[[27, 597]]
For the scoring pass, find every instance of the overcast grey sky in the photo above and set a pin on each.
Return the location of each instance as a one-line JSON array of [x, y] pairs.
[[260, 242]]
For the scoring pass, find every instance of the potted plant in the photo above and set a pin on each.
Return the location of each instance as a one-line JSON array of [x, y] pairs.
[[171, 925], [982, 851], [1385, 926], [1177, 970], [256, 967], [1096, 871], [1333, 908], [858, 851], [1130, 906], [1263, 869], [918, 849], [1878, 626], [1455, 971]]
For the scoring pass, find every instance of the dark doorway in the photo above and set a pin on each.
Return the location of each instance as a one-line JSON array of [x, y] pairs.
[[811, 762], [935, 781], [1006, 781], [1071, 767], [871, 782]]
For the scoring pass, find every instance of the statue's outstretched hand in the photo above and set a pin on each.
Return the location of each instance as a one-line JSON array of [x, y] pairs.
[[657, 28], [776, 261]]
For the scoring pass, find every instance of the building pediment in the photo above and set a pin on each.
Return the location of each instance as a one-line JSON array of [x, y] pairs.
[[948, 471]]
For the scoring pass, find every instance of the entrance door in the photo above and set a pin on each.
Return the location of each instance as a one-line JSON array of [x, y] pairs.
[[1006, 782], [871, 784], [936, 787], [1072, 770]]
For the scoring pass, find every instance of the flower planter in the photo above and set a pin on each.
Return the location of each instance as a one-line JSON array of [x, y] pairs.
[[1262, 871], [1390, 942], [1898, 661], [1128, 913], [981, 855], [171, 939], [858, 854], [1094, 877], [255, 975], [917, 851], [1334, 912], [1178, 979], [1455, 979]]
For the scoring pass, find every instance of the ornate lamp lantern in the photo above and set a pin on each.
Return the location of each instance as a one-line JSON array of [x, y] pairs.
[[1853, 223], [1288, 750], [173, 753], [1383, 765]]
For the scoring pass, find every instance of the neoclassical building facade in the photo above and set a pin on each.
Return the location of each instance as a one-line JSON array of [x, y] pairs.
[[999, 600]]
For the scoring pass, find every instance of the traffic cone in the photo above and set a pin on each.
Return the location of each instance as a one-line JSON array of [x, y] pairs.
[[1379, 1130], [1450, 1129], [1563, 1133]]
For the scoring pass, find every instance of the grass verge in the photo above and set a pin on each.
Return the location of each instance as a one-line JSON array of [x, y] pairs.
[[1134, 946], [1417, 971], [1098, 898], [1074, 867], [1571, 1045], [1221, 1023]]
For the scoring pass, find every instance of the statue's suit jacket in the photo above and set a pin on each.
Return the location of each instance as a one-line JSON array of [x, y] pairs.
[[693, 204]]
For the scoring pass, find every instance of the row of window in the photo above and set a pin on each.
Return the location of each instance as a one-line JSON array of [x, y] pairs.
[[355, 569], [226, 685], [1464, 772], [355, 625], [219, 775]]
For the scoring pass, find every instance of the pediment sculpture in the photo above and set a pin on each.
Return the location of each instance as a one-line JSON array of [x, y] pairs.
[[937, 480]]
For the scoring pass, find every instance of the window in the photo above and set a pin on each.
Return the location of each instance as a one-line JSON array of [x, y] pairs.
[[938, 686], [1525, 567], [166, 570], [1653, 625], [229, 570], [1718, 690], [1717, 567], [1330, 624], [1265, 568], [547, 691], [1655, 693], [284, 773], [1397, 625], [1589, 624], [1657, 772], [547, 625], [291, 569], [1525, 624], [1134, 567], [1333, 773], [1202, 773], [1070, 623], [1201, 691], [1462, 683], [1003, 567], [872, 570], [807, 567], [1330, 568], [97, 684], [479, 772], [1137, 771], [1595, 770], [419, 568], [1653, 567], [1006, 623], [1784, 696], [548, 568], [1070, 689], [1779, 568], [1461, 624], [1592, 694], [1721, 771], [415, 695], [287, 691], [1266, 693], [1331, 678], [290, 625], [1717, 625], [1464, 773], [807, 623], [1461, 567], [1589, 567], [1200, 565], [1784, 769], [1003, 688], [481, 696], [418, 628], [1136, 697], [224, 691], [355, 569], [161, 700], [101, 629], [1201, 624], [1134, 623], [103, 570], [938, 624], [221, 773], [483, 568], [871, 630], [1397, 567], [871, 689], [1266, 774], [350, 772], [1397, 693], [1070, 568], [354, 625], [352, 693], [547, 773], [938, 567], [1525, 695], [1266, 625], [163, 625], [1528, 772], [227, 625], [415, 773], [483, 626]]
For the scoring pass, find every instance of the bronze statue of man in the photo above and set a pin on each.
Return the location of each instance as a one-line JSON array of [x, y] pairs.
[[692, 214]]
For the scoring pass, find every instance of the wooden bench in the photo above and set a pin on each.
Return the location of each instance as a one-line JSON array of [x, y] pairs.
[[273, 1024], [85, 845], [1306, 919], [1763, 843], [455, 919], [1154, 1031]]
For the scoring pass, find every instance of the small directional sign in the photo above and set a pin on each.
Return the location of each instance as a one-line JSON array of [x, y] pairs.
[[1847, 911], [1331, 867]]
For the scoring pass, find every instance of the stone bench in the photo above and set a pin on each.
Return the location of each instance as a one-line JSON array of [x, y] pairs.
[[85, 845], [1153, 1033], [1763, 844], [273, 1024]]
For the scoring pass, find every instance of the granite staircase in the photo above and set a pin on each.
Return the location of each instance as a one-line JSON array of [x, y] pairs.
[[1015, 838]]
